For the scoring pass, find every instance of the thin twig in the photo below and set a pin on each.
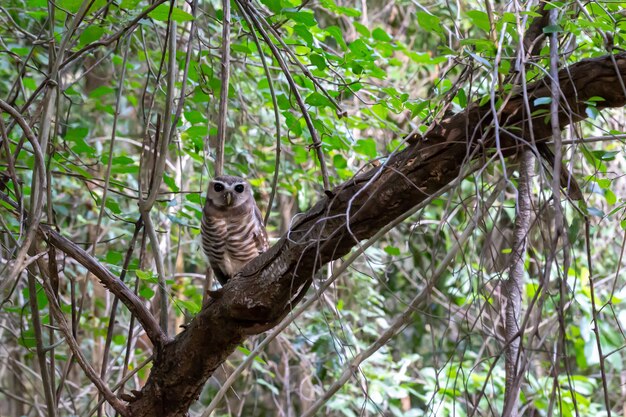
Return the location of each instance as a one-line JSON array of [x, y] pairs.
[[596, 325], [107, 173], [55, 310], [36, 200], [122, 382], [145, 206], [111, 323], [41, 354], [407, 315], [168, 128], [340, 111], [224, 76], [317, 144], [113, 38], [270, 82]]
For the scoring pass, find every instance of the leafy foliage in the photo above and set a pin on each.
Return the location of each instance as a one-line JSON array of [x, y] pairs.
[[100, 74]]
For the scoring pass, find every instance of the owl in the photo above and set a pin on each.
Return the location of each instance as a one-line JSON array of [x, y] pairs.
[[232, 228]]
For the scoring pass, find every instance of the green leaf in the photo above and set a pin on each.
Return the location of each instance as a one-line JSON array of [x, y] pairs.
[[380, 35], [305, 17], [429, 22], [304, 33], [340, 162], [147, 293], [195, 117], [366, 147], [240, 47], [336, 33], [604, 155], [77, 136], [29, 83], [20, 51], [146, 275], [114, 257], [360, 49], [392, 250], [119, 339], [123, 160], [480, 19], [91, 34], [170, 182], [552, 29], [113, 206], [273, 5], [162, 14], [316, 99], [129, 4], [341, 10], [101, 91], [603, 183], [70, 5], [192, 307], [362, 30], [198, 131], [461, 98], [610, 197], [194, 198], [318, 61], [293, 123], [247, 352]]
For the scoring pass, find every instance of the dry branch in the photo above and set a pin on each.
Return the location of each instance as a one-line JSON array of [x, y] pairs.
[[110, 281], [357, 209]]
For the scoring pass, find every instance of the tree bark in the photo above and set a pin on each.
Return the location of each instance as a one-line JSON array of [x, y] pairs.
[[271, 284], [514, 286]]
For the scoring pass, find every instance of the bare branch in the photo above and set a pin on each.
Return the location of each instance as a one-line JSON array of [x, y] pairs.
[[413, 306], [515, 284], [36, 202], [317, 143], [55, 309], [225, 77], [114, 284]]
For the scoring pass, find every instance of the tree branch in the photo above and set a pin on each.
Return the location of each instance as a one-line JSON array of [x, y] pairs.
[[370, 200], [110, 281]]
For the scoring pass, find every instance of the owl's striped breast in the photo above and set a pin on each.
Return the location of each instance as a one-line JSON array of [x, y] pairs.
[[229, 243]]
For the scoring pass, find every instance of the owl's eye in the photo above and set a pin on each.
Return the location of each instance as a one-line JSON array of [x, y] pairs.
[[239, 188], [218, 187]]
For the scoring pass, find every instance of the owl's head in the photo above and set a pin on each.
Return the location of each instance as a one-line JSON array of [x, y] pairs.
[[227, 191]]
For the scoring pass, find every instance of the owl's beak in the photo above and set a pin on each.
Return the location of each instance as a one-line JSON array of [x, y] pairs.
[[229, 198]]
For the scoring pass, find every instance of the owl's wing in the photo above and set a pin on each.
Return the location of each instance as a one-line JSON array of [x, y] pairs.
[[260, 235]]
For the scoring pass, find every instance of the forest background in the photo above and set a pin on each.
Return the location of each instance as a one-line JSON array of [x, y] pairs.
[[443, 183]]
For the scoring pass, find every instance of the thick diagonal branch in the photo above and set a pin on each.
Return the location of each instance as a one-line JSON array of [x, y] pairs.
[[354, 211]]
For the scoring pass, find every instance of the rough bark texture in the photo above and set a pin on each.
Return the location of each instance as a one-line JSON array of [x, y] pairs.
[[258, 298], [515, 284]]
